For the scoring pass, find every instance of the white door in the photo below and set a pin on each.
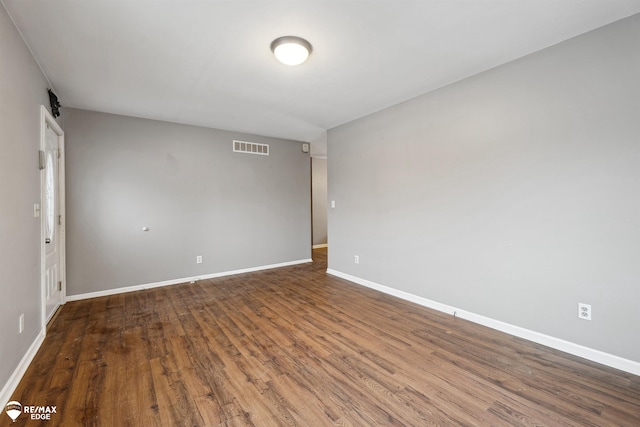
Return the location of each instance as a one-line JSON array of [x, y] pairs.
[[52, 203]]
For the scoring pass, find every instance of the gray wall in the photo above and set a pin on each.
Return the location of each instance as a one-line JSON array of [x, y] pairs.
[[514, 194], [196, 196], [319, 197], [23, 89]]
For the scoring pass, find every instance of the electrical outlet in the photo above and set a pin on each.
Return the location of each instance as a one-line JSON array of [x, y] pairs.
[[21, 324], [199, 259], [584, 311], [333, 204], [357, 259]]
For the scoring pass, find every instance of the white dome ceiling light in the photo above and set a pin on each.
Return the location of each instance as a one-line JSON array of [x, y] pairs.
[[291, 50]]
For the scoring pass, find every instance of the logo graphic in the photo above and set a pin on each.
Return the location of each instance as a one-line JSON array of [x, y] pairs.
[[14, 409], [34, 412]]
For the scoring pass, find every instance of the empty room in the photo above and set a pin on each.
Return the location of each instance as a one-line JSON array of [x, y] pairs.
[[320, 212]]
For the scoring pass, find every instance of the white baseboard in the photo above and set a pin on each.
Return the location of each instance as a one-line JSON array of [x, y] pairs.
[[537, 337], [320, 246], [133, 288], [16, 376]]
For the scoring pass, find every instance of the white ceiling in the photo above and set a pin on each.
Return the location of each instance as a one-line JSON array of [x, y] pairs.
[[208, 63]]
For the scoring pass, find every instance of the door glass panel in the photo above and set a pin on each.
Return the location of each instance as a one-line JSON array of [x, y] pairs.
[[50, 197]]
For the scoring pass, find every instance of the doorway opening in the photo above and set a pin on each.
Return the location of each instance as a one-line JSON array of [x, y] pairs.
[[319, 236]]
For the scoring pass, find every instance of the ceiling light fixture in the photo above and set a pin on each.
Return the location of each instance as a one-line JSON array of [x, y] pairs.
[[291, 50]]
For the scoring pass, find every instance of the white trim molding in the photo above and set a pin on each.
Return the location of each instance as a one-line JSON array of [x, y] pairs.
[[537, 337], [11, 384], [133, 288]]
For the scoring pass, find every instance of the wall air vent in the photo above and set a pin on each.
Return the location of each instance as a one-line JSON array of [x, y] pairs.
[[251, 148]]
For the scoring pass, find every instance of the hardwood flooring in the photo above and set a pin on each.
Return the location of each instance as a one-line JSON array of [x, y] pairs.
[[294, 346]]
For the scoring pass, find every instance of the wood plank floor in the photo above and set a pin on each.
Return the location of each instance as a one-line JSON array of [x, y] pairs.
[[293, 346]]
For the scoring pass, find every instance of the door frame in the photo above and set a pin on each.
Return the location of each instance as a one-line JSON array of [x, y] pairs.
[[46, 119]]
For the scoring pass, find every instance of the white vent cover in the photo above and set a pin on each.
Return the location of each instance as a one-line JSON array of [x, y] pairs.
[[251, 148]]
